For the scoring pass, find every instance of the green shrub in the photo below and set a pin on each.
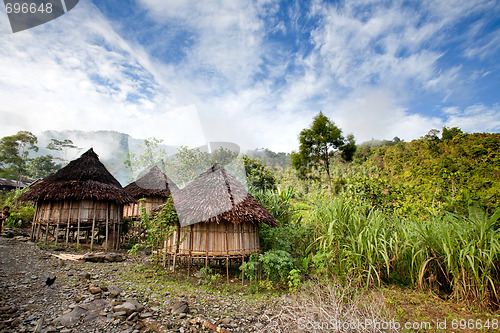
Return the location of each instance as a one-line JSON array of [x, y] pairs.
[[250, 268], [276, 265]]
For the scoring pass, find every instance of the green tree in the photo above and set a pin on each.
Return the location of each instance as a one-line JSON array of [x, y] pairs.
[[259, 177], [152, 154], [14, 151], [318, 144], [62, 147], [450, 133], [42, 166]]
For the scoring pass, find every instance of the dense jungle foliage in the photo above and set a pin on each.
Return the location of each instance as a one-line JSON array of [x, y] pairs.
[[423, 213]]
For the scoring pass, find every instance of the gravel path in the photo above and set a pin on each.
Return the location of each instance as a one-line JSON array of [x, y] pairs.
[[127, 296]]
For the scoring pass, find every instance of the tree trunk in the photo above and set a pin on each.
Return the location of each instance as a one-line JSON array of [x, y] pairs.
[[327, 168]]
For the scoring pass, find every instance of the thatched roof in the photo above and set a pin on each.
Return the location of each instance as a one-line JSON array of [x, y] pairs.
[[83, 178], [216, 196], [153, 184]]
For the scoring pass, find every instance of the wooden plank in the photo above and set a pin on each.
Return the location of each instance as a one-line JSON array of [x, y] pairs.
[[107, 225], [58, 221], [93, 229], [78, 233], [69, 219]]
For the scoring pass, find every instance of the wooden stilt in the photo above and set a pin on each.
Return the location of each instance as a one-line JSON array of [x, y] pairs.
[[113, 246], [93, 229], [178, 237], [206, 244], [58, 221], [243, 270], [118, 228], [69, 221], [78, 228], [227, 269], [107, 225], [190, 248], [48, 223], [39, 228], [33, 225]]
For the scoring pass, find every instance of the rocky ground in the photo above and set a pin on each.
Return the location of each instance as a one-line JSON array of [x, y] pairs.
[[122, 294]]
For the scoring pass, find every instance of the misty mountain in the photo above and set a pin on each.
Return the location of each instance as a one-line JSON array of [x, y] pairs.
[[112, 148]]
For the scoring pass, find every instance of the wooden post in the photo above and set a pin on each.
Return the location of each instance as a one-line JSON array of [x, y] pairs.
[[119, 227], [78, 228], [227, 255], [190, 248], [32, 237], [107, 225], [93, 229], [113, 246], [207, 225], [48, 222], [39, 228], [240, 229], [69, 219], [242, 271], [178, 236], [58, 220]]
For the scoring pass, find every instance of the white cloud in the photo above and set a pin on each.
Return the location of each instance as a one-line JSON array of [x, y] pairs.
[[369, 61], [475, 118], [377, 114], [78, 73]]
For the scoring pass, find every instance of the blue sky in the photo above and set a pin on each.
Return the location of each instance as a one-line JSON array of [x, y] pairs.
[[255, 72]]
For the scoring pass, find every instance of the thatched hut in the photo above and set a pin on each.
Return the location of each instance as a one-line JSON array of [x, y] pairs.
[[81, 198], [154, 187], [218, 218]]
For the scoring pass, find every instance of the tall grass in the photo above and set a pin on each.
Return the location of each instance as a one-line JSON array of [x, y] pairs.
[[449, 254]]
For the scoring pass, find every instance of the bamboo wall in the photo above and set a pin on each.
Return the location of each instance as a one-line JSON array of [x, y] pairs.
[[70, 220], [83, 211], [216, 240], [133, 211]]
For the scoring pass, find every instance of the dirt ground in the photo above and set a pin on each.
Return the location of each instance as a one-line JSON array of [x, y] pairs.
[[93, 297]]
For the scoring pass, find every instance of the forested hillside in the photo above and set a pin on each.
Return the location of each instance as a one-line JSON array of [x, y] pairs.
[[433, 173]]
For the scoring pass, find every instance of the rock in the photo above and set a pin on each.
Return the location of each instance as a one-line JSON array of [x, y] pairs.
[[50, 329], [93, 257], [180, 307], [102, 257], [84, 276], [114, 291], [95, 309], [226, 321], [132, 316], [182, 315], [119, 314], [93, 289], [146, 315], [8, 234], [129, 306], [71, 318], [113, 257]]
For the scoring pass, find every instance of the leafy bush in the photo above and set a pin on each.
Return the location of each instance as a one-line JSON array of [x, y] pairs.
[[206, 273], [20, 212], [276, 265], [250, 268], [294, 280]]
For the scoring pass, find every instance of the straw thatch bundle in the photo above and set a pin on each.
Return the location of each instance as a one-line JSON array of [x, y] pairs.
[[83, 178], [153, 184], [217, 196]]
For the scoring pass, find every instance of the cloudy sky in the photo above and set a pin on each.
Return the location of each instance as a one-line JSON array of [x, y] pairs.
[[254, 72]]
